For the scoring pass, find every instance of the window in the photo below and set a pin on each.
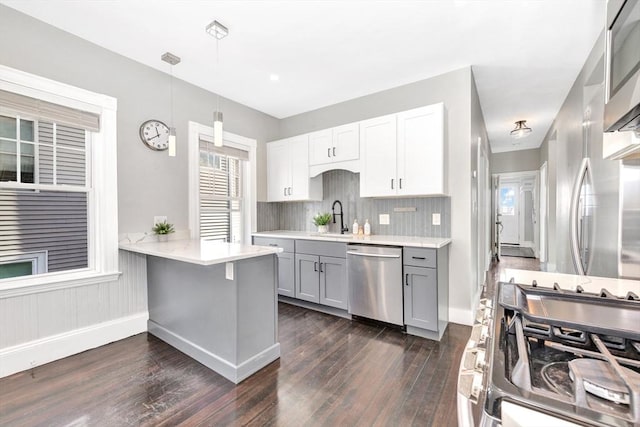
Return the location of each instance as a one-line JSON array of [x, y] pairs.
[[220, 192], [56, 216], [222, 186]]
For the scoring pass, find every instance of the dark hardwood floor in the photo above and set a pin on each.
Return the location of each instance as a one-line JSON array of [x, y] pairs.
[[332, 372]]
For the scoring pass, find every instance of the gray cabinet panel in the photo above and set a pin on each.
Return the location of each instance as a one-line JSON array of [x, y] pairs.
[[419, 257], [333, 282], [315, 247], [286, 244], [286, 277], [421, 298], [307, 277]]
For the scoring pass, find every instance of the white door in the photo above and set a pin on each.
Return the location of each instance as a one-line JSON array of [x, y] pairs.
[[420, 151], [299, 152], [320, 147], [346, 142], [527, 205], [508, 198], [278, 171], [378, 155]]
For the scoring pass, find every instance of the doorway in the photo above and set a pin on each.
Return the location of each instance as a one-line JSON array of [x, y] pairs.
[[517, 207]]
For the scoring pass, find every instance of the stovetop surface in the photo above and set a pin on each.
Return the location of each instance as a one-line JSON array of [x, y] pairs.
[[532, 357]]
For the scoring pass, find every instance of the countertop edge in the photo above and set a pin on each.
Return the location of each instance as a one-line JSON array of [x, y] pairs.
[[371, 240], [205, 262]]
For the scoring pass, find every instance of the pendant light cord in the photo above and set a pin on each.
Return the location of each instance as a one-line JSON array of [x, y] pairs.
[[218, 72], [171, 74]]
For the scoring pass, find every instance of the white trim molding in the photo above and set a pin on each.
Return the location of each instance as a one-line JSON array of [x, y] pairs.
[[102, 166], [35, 353]]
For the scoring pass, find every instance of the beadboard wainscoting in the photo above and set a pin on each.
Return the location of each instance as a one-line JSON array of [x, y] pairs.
[[37, 328], [345, 186]]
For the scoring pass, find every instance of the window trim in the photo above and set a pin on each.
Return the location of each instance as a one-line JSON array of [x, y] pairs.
[[249, 220], [38, 260], [102, 196]]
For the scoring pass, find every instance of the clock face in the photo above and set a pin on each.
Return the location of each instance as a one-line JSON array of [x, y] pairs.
[[155, 135]]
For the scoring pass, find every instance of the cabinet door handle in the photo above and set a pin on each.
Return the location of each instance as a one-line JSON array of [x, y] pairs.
[[289, 190], [406, 279], [392, 183], [315, 266], [285, 191], [334, 151], [400, 182], [328, 152], [321, 268], [418, 257]]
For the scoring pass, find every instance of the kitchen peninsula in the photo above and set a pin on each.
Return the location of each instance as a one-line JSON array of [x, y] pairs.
[[214, 301]]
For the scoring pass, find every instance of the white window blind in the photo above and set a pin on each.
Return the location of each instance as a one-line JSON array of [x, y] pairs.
[[221, 198]]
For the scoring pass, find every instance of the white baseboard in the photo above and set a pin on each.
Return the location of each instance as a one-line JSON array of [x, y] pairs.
[[462, 316], [35, 353]]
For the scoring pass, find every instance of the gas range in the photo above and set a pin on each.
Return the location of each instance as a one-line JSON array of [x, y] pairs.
[[571, 354]]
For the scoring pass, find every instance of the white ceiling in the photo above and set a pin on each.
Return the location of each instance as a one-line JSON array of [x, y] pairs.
[[525, 53]]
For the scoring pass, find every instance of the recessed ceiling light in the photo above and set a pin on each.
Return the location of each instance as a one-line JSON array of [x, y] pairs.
[[274, 77]]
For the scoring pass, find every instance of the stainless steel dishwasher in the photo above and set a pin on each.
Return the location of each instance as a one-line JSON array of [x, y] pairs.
[[375, 282]]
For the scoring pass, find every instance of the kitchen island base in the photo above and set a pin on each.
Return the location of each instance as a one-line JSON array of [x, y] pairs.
[[222, 315]]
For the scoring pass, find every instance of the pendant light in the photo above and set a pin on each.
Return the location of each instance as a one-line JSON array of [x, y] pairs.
[[521, 130], [219, 31], [172, 60]]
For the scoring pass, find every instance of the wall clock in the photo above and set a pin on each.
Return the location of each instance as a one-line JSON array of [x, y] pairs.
[[155, 135]]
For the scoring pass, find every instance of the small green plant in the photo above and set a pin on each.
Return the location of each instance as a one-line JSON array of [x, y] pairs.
[[163, 228], [322, 219]]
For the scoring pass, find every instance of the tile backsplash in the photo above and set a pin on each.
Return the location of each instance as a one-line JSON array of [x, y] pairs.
[[345, 186]]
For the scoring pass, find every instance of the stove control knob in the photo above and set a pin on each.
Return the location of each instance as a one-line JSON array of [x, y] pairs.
[[480, 361]]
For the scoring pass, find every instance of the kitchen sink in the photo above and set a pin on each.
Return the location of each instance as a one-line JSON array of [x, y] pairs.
[[333, 236]]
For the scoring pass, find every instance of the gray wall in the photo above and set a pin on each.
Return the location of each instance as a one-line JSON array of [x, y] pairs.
[[454, 89], [565, 144], [345, 186], [516, 161], [149, 183]]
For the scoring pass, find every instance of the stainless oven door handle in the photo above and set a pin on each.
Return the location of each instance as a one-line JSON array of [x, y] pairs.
[[372, 255]]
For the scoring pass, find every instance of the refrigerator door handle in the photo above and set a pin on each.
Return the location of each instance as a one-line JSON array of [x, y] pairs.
[[584, 173]]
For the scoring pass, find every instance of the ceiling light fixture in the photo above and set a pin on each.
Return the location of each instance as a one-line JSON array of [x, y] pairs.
[[172, 60], [218, 31], [521, 130]]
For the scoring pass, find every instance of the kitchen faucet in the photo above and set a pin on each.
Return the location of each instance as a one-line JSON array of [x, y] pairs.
[[333, 209]]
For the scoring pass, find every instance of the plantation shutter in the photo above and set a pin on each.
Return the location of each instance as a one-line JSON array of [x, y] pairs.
[[220, 192]]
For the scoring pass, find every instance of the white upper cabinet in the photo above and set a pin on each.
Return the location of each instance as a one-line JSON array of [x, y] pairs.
[[403, 154], [378, 157], [334, 145], [421, 151], [288, 171]]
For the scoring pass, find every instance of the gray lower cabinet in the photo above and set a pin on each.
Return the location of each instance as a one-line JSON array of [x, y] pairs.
[[308, 277], [333, 282], [286, 276], [322, 279], [426, 291], [421, 297], [286, 263]]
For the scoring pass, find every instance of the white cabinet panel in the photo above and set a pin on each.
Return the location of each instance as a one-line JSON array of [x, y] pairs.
[[278, 170], [320, 147], [420, 151], [378, 155], [403, 154], [288, 171], [334, 145]]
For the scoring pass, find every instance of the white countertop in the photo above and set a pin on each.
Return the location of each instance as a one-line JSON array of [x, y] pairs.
[[618, 287], [197, 251], [375, 239]]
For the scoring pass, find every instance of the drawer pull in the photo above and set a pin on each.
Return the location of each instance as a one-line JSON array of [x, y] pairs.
[[273, 244], [418, 257]]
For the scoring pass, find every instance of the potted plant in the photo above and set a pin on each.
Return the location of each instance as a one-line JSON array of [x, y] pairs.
[[162, 229], [321, 220]]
